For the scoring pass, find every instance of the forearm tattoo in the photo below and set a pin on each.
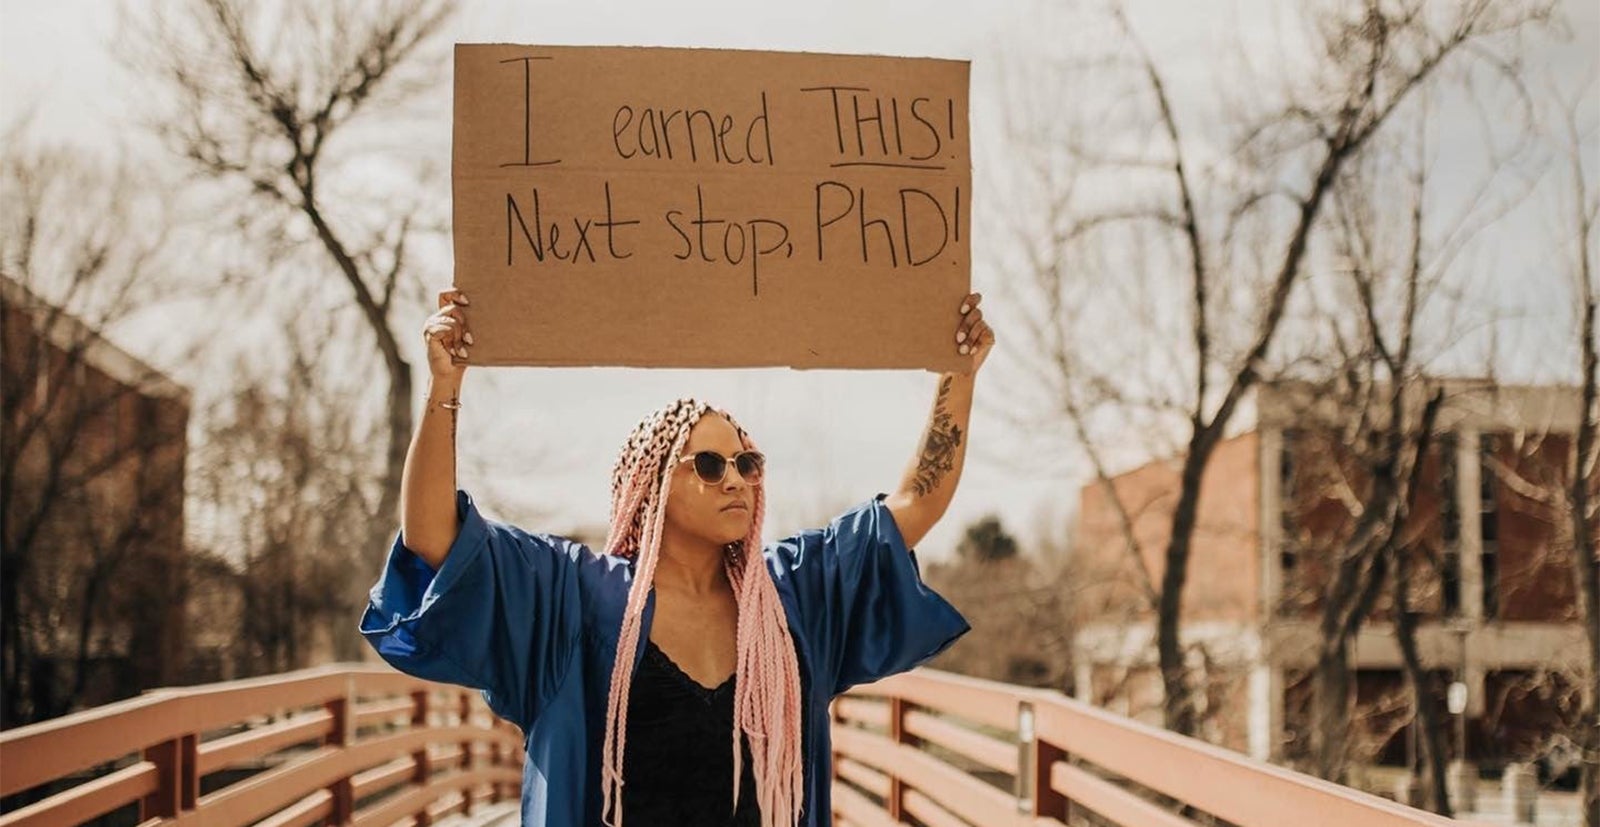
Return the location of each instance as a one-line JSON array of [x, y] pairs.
[[939, 452]]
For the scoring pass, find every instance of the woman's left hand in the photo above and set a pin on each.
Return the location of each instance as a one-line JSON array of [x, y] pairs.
[[973, 336]]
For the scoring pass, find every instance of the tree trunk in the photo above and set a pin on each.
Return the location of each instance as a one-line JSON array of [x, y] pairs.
[[1331, 703], [1585, 567], [1427, 718], [1177, 705], [91, 598]]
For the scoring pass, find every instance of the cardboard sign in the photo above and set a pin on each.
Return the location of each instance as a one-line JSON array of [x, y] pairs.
[[708, 208]]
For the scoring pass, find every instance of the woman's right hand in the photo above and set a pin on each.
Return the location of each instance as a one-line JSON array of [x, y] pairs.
[[447, 337]]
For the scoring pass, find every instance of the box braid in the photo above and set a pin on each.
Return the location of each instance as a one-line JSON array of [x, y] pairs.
[[767, 686]]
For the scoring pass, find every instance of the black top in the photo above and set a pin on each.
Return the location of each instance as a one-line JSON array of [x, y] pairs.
[[677, 766]]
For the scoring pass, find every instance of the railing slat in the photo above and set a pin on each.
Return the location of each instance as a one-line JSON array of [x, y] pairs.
[[964, 795], [862, 776], [859, 710], [984, 702], [446, 805], [991, 752], [413, 801], [930, 812], [1110, 801], [394, 809], [382, 777], [859, 809], [313, 807], [89, 799], [377, 712], [254, 743]]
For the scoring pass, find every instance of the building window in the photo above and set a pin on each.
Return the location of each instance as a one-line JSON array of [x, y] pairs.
[[147, 420], [1489, 525], [1288, 501], [1449, 528]]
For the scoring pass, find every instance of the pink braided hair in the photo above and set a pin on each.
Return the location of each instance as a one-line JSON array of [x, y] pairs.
[[766, 705]]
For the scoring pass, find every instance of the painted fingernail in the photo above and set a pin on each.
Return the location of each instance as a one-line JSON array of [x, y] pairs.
[[468, 337], [964, 350], [965, 308], [961, 336], [462, 299]]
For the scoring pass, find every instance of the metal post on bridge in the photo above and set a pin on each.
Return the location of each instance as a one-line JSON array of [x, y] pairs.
[[1035, 795]]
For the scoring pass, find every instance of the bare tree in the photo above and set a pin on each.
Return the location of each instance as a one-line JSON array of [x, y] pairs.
[[92, 443], [1555, 475], [1231, 234], [1582, 503], [273, 480], [1374, 454], [262, 97]]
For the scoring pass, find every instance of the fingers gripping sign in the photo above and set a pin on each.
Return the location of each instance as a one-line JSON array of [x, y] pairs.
[[447, 335], [973, 335]]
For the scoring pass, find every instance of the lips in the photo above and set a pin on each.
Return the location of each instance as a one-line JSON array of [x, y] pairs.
[[736, 506]]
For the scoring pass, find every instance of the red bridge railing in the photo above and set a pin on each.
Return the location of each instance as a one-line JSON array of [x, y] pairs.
[[365, 745], [345, 744], [951, 751]]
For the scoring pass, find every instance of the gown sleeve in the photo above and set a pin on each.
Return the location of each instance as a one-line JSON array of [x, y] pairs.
[[502, 614], [865, 611]]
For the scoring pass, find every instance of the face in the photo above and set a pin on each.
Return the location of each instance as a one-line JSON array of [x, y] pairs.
[[700, 509]]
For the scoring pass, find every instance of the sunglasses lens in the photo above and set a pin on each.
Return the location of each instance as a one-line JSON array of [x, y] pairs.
[[710, 466], [749, 466]]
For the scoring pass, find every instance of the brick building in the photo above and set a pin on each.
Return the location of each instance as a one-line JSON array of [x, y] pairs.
[[93, 443], [1496, 600]]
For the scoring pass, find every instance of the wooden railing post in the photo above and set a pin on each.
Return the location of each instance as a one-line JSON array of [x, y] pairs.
[[178, 786], [835, 720], [897, 734], [340, 735], [1035, 757], [466, 753], [495, 761], [189, 777], [419, 759]]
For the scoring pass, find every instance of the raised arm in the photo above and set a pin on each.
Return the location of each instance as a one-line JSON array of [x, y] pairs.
[[428, 519], [929, 482]]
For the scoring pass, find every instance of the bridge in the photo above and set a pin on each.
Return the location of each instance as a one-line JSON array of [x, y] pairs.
[[356, 744]]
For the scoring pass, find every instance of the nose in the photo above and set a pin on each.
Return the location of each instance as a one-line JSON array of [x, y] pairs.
[[732, 480]]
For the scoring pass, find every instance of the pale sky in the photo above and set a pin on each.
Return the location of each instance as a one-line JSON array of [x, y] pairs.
[[833, 437]]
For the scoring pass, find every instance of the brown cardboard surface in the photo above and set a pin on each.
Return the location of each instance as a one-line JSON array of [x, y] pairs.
[[710, 208]]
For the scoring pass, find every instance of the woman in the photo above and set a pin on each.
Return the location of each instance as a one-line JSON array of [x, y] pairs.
[[678, 678]]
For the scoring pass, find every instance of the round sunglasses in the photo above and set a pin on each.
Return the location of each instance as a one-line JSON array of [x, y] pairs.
[[712, 467]]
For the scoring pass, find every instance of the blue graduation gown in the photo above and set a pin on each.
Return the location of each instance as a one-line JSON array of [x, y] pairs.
[[532, 620]]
